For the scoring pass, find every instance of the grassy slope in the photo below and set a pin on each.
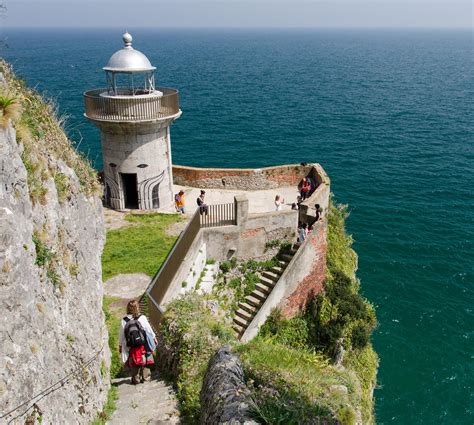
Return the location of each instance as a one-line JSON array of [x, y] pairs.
[[141, 248]]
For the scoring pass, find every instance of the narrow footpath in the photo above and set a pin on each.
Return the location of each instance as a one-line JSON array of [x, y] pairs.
[[152, 402]]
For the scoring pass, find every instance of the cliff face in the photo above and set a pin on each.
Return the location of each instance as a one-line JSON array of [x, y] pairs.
[[51, 239]]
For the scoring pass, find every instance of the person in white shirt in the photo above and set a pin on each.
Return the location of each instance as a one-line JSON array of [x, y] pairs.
[[279, 201], [137, 358]]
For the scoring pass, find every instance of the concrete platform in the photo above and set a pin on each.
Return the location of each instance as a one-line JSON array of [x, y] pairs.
[[260, 201]]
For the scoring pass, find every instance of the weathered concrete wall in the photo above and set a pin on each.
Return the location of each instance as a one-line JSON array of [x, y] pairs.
[[248, 239], [51, 319], [303, 290], [183, 271], [241, 178], [302, 280], [224, 395]]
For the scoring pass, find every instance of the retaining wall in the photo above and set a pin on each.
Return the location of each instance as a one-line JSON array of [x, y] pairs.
[[244, 178]]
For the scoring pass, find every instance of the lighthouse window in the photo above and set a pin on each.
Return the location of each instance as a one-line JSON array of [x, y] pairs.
[[113, 165], [142, 165]]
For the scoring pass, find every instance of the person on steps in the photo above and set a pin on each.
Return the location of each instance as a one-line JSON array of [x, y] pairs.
[[137, 341]]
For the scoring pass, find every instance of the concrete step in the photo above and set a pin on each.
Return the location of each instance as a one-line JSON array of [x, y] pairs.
[[263, 288], [241, 322], [239, 330], [282, 263], [287, 257], [277, 270], [248, 308], [244, 314], [259, 295], [270, 275], [267, 282], [253, 301]]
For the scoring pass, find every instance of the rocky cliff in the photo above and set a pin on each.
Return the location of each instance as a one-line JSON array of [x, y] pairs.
[[54, 356]]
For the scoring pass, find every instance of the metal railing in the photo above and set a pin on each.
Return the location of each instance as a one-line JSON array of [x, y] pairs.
[[218, 215], [132, 108]]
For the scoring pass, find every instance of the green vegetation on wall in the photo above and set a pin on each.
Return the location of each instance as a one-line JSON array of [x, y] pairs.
[[192, 335], [40, 131]]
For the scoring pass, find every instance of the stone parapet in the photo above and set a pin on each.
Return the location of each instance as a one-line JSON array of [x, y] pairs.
[[245, 178]]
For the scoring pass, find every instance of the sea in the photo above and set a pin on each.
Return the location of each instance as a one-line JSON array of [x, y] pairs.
[[388, 113]]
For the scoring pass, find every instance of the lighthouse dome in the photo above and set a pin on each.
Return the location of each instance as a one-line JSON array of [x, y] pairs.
[[128, 59]]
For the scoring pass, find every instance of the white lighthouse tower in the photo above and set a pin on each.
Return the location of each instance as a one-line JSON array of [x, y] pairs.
[[134, 118]]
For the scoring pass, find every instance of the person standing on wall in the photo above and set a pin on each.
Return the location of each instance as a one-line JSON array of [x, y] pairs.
[[203, 207], [179, 202], [317, 217], [305, 188], [137, 341]]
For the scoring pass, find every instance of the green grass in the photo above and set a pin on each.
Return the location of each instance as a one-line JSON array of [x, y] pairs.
[[109, 407], [340, 255], [112, 320], [141, 248], [293, 386], [364, 363]]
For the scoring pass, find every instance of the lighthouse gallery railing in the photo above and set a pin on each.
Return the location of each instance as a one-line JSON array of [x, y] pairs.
[[131, 108]]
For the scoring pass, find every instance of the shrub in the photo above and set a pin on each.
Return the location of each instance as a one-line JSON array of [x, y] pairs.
[[191, 335], [61, 182], [292, 332], [43, 253], [10, 109], [225, 266]]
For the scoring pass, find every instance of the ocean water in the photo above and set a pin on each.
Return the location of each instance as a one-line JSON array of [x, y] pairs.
[[389, 115]]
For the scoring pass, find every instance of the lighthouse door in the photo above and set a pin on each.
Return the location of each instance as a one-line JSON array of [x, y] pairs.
[[129, 184]]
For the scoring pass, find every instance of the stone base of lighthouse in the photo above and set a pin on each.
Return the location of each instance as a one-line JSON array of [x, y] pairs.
[[137, 165]]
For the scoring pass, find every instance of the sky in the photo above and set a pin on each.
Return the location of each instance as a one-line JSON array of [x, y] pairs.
[[237, 13]]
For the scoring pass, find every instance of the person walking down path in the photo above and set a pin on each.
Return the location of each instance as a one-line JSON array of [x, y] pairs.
[[179, 202], [203, 207], [137, 341]]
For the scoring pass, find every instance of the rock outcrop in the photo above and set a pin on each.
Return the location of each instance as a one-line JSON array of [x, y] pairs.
[[224, 395], [52, 331]]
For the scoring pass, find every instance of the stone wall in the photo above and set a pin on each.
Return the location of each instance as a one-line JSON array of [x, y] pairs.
[[302, 279], [242, 178], [51, 322], [224, 395]]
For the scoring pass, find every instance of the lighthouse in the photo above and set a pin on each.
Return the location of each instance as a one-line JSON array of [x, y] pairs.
[[134, 117]]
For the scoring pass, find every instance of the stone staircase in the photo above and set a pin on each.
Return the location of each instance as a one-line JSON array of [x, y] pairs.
[[268, 279]]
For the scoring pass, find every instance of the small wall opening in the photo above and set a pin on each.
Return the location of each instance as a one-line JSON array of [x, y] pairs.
[[155, 196], [130, 190], [108, 195]]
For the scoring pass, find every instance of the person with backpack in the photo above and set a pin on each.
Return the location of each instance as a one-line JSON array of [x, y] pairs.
[[137, 341]]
